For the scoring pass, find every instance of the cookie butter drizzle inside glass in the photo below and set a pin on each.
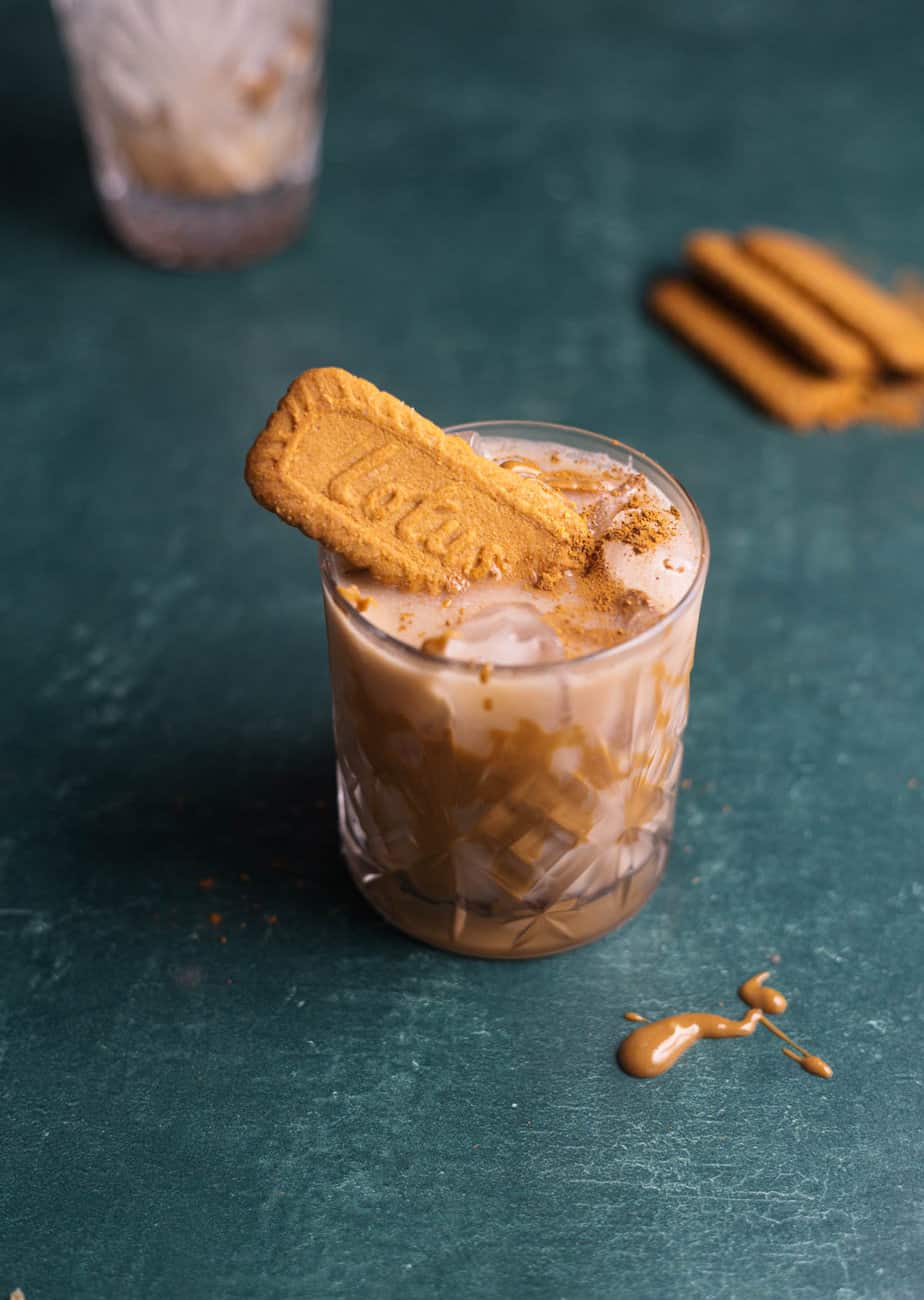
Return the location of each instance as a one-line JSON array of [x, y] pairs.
[[654, 1048]]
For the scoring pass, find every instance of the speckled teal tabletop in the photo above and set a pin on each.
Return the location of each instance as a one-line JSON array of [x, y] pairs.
[[317, 1106]]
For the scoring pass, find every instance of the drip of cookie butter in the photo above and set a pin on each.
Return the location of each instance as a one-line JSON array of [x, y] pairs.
[[811, 1064], [573, 479], [366, 475], [657, 1045], [753, 992]]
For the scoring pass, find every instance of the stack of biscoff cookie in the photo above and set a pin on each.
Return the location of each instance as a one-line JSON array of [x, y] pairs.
[[809, 338]]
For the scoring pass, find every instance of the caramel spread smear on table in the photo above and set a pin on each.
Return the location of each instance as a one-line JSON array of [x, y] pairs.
[[804, 334], [656, 1045], [366, 475]]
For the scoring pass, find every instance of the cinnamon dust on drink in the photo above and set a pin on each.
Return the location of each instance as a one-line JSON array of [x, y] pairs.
[[643, 527]]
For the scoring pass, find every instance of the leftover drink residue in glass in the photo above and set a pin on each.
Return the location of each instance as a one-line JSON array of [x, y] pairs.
[[657, 1045]]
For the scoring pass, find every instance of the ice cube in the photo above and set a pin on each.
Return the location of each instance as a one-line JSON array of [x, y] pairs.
[[473, 439], [603, 508], [601, 513], [505, 634], [663, 585]]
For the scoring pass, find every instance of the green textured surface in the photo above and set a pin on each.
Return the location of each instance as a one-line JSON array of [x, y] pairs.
[[320, 1107]]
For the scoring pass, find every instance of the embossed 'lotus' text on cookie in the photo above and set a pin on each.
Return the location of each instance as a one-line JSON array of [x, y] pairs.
[[434, 523], [370, 478]]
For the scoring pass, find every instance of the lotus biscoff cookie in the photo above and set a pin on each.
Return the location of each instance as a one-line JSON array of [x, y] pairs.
[[887, 325], [794, 318], [794, 395], [366, 475]]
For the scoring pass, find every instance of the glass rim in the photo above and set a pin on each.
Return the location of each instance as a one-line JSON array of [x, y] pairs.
[[610, 653]]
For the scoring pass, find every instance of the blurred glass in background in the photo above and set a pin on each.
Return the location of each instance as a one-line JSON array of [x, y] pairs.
[[203, 120]]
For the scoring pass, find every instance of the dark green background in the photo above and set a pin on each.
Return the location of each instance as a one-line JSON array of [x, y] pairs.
[[321, 1107]]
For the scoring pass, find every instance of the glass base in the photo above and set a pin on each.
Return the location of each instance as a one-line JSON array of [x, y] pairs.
[[176, 231], [514, 933]]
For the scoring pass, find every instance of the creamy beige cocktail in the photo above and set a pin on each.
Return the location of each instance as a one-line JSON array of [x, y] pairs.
[[508, 755]]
